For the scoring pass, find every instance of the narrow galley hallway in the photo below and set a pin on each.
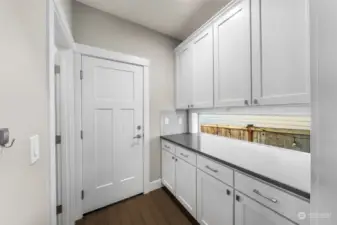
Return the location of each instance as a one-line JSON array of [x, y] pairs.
[[155, 208]]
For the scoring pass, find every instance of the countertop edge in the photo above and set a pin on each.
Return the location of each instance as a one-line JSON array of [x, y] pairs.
[[292, 190]]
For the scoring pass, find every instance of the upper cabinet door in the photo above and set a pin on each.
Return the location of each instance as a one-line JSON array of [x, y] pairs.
[[280, 51], [250, 212], [232, 57], [203, 69], [184, 77]]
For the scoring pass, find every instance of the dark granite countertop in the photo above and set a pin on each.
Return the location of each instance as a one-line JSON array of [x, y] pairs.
[[194, 142]]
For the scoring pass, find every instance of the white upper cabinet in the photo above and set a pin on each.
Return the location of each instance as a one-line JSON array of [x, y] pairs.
[[232, 57], [256, 52], [250, 212], [194, 77], [203, 70], [184, 77], [280, 52]]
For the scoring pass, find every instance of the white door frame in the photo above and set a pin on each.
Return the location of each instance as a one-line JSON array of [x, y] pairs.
[[119, 57], [58, 34]]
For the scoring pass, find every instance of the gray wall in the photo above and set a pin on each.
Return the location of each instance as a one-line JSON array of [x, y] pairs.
[[96, 28], [24, 189], [66, 7]]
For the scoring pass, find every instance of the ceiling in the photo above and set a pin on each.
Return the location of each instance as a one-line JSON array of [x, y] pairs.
[[176, 18]]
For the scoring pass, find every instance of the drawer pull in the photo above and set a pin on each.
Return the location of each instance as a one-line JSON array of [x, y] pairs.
[[273, 200], [166, 146], [213, 170], [228, 192], [186, 156]]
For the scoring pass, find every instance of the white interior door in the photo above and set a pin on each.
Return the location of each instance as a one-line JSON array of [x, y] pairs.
[[112, 117]]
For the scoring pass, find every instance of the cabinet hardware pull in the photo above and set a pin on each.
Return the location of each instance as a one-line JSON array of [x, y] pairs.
[[213, 170], [273, 200], [238, 198], [186, 156], [172, 157], [176, 159], [228, 192], [246, 102], [256, 102]]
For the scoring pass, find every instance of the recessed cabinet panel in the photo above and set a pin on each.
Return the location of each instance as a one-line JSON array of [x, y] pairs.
[[250, 212], [232, 58], [184, 78], [186, 185], [168, 170], [280, 44], [215, 201], [203, 70]]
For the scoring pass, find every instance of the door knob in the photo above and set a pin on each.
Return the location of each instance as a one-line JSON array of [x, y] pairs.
[[137, 136]]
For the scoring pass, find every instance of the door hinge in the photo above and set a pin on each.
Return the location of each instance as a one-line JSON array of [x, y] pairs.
[[58, 139], [57, 69], [81, 134], [59, 209], [81, 74], [82, 194]]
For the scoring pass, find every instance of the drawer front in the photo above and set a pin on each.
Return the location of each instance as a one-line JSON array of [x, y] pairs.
[[285, 204], [186, 155], [216, 170], [168, 146]]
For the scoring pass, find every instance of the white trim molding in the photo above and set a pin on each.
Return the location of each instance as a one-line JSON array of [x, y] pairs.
[[115, 56], [154, 185], [59, 36], [84, 50]]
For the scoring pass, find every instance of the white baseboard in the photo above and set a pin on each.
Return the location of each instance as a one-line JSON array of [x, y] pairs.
[[154, 185]]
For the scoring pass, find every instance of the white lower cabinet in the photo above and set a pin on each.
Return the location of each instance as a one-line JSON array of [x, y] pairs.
[[208, 192], [186, 185], [215, 201], [168, 170], [250, 212]]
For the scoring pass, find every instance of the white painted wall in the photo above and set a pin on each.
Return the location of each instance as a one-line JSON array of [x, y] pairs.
[[96, 28], [324, 110], [65, 6], [24, 189]]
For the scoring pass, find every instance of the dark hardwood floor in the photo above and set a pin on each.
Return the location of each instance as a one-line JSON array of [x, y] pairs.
[[155, 208]]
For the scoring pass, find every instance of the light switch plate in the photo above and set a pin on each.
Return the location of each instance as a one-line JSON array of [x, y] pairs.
[[34, 149]]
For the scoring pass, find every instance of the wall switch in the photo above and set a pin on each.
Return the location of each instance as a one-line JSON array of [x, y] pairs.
[[34, 149], [180, 120], [167, 121]]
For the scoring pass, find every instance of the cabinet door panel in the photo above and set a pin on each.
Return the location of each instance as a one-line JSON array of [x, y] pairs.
[[250, 212], [280, 37], [215, 201], [203, 70], [186, 185], [232, 58], [168, 170], [184, 78]]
